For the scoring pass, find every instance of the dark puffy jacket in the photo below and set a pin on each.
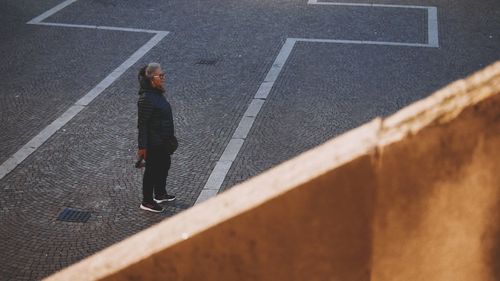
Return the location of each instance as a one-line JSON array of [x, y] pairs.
[[155, 121]]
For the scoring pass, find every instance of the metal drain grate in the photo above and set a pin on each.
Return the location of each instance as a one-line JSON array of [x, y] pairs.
[[72, 215], [207, 61]]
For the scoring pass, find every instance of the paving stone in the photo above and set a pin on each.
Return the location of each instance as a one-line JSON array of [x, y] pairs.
[[322, 91]]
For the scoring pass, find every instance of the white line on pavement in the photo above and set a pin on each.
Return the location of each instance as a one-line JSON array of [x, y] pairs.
[[99, 88], [98, 27], [254, 108], [315, 2], [52, 11], [227, 158], [432, 21], [360, 42], [224, 164], [216, 178], [432, 27], [232, 149], [219, 173], [18, 157]]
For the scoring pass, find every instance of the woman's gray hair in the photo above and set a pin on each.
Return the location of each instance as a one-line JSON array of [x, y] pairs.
[[151, 68]]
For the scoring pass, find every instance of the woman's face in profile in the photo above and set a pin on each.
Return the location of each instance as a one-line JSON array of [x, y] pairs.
[[158, 78]]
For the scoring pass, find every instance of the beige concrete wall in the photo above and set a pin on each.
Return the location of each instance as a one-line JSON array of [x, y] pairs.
[[292, 237], [437, 210], [411, 197]]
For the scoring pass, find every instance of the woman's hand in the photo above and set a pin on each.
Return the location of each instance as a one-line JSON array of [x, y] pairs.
[[142, 153]]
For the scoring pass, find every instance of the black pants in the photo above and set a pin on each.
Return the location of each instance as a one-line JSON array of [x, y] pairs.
[[155, 175]]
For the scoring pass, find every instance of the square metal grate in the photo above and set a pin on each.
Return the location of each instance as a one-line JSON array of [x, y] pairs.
[[207, 61], [73, 215]]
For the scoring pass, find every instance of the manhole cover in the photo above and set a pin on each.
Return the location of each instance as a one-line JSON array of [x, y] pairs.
[[207, 61], [73, 215]]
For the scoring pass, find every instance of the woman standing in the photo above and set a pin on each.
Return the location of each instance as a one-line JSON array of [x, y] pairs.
[[156, 136]]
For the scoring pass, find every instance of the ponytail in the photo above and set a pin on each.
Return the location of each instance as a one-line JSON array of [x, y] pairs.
[[142, 73]]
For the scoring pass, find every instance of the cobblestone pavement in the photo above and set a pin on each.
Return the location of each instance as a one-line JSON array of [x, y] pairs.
[[324, 90]]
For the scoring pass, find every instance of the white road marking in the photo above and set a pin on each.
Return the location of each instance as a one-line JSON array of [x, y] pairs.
[[18, 157], [52, 11], [315, 2], [206, 194], [360, 42], [432, 21], [99, 27], [106, 82], [224, 164], [217, 177], [244, 127], [264, 89], [254, 108], [231, 151], [220, 171], [432, 27], [279, 62], [30, 147]]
